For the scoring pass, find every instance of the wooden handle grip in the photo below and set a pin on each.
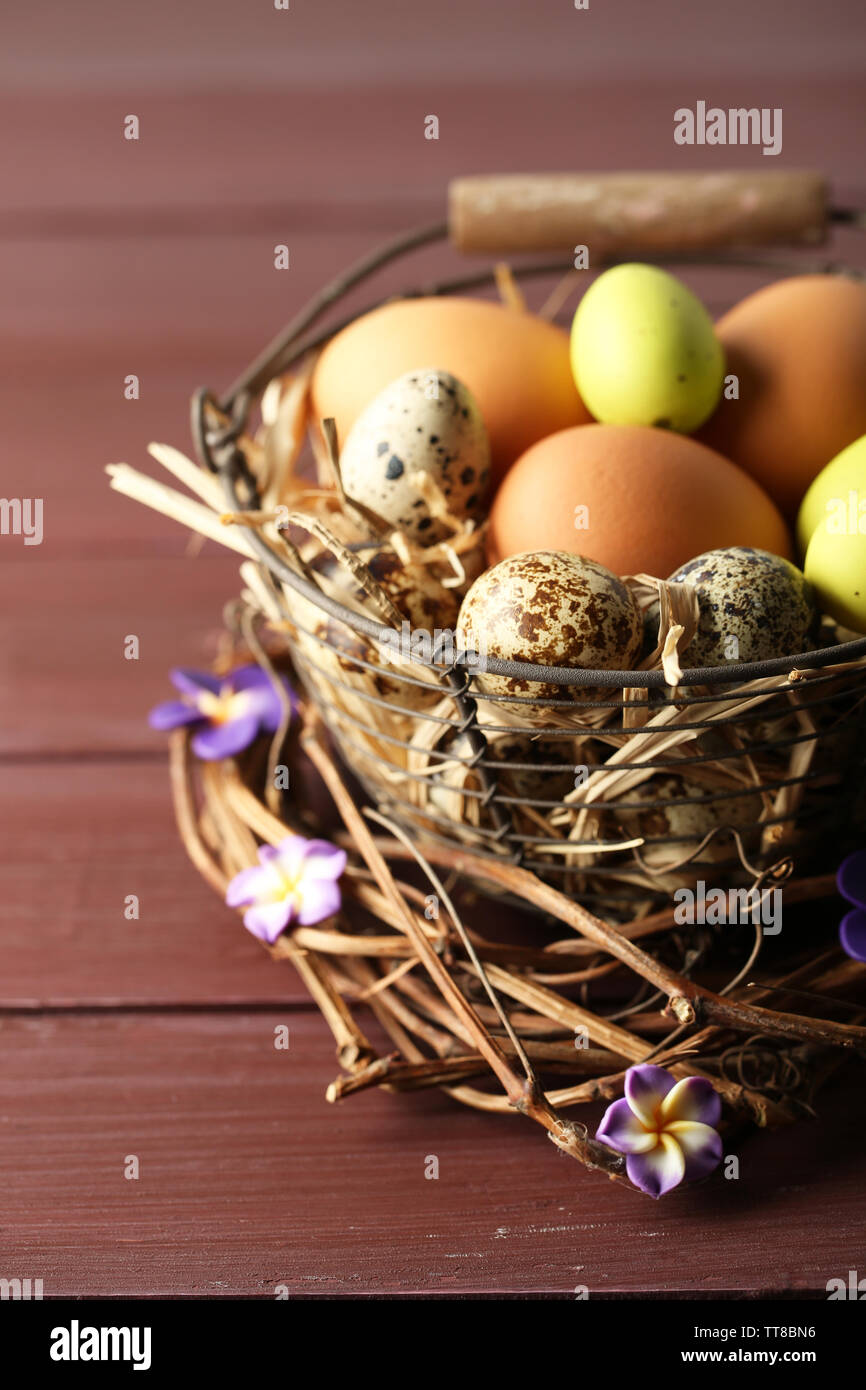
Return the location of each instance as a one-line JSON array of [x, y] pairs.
[[634, 214]]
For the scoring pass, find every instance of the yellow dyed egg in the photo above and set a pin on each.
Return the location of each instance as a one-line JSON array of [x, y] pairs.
[[644, 351], [836, 568], [838, 495]]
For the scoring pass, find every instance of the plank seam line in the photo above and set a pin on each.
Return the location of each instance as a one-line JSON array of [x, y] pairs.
[[13, 758], [37, 1009]]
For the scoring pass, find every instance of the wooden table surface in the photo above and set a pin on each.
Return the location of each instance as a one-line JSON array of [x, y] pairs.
[[155, 1038]]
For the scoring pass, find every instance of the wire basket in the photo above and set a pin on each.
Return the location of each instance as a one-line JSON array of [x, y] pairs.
[[612, 784], [589, 798]]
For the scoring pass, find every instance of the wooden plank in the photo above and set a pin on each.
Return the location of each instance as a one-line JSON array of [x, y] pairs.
[[64, 465], [249, 1181], [85, 312], [225, 45], [79, 837], [103, 301], [65, 685], [356, 150]]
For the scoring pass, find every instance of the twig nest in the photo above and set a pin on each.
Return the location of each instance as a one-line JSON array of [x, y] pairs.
[[426, 422], [553, 609], [753, 606]]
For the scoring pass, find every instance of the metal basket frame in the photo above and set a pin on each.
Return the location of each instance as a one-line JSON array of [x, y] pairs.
[[217, 425]]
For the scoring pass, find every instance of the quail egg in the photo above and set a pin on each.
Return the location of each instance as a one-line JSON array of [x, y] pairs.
[[681, 815], [753, 606], [553, 609], [428, 422]]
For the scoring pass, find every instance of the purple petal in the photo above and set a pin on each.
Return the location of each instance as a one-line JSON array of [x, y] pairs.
[[267, 706], [319, 898], [224, 740], [852, 934], [190, 682], [621, 1129], [253, 678], [244, 887], [701, 1146], [692, 1099], [851, 878], [171, 714], [290, 852], [268, 921], [323, 860], [248, 677], [264, 699], [645, 1089], [657, 1171]]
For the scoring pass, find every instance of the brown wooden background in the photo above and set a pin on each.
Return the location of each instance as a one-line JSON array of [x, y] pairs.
[[155, 1038]]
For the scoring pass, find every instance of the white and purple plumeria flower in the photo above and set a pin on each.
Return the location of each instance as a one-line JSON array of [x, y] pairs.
[[851, 882], [294, 881], [666, 1129], [229, 712]]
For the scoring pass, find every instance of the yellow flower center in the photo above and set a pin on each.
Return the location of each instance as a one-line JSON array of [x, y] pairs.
[[222, 708], [284, 885]]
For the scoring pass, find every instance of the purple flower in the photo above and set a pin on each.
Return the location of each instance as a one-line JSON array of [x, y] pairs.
[[294, 882], [228, 712], [666, 1128], [851, 882]]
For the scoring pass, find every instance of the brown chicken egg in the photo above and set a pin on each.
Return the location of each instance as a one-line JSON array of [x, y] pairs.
[[798, 351], [515, 365], [637, 500]]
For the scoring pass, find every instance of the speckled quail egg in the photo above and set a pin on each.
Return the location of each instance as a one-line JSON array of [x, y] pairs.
[[415, 590], [426, 421], [753, 606], [553, 609], [682, 827]]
